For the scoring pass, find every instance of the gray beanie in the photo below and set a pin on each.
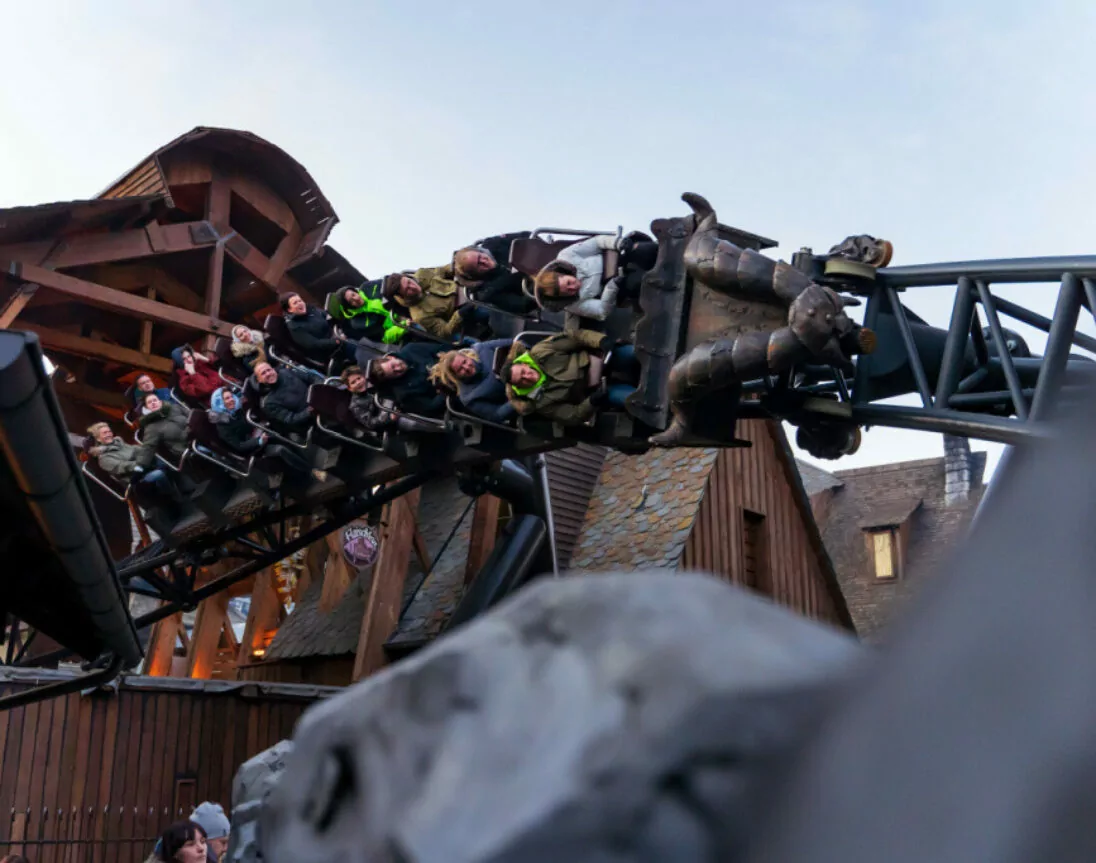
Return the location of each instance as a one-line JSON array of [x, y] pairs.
[[212, 819]]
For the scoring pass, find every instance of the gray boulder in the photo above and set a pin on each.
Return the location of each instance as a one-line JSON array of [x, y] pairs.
[[251, 787], [616, 717]]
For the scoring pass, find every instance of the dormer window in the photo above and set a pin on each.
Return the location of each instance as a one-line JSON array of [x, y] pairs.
[[886, 534], [884, 552]]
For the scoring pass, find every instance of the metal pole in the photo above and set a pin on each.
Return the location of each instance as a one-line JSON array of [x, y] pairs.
[[1001, 343], [540, 476], [1062, 327], [906, 332], [955, 347]]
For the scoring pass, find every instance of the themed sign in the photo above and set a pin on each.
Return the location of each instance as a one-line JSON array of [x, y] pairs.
[[360, 545]]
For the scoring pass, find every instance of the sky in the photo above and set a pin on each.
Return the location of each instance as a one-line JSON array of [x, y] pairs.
[[958, 130]]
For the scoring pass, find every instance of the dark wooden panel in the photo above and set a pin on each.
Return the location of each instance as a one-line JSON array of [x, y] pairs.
[[107, 767], [750, 484]]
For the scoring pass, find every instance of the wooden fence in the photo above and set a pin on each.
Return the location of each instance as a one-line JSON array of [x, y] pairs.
[[94, 778]]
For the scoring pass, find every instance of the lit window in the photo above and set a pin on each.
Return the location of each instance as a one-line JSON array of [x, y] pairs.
[[884, 552]]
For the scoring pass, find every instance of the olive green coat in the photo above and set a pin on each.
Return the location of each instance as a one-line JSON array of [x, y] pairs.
[[564, 359]]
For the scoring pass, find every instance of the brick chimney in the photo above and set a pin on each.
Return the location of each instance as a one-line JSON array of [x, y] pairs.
[[957, 469]]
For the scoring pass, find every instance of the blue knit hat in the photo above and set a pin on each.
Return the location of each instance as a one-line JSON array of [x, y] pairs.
[[212, 819]]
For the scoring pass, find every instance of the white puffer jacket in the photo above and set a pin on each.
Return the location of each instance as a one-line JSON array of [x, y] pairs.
[[593, 301]]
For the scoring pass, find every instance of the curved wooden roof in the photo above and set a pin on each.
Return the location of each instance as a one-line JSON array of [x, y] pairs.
[[278, 169]]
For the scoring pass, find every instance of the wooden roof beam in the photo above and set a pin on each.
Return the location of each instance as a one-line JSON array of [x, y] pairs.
[[15, 305], [115, 300], [79, 346], [100, 248], [260, 266]]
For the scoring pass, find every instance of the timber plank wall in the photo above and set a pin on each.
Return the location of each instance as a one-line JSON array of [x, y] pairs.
[[754, 530], [95, 778]]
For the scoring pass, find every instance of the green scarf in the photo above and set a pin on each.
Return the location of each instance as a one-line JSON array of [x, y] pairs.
[[372, 306], [526, 359]]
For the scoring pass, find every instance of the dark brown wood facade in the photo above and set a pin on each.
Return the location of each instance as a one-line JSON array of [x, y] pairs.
[[754, 528], [740, 514], [94, 778]]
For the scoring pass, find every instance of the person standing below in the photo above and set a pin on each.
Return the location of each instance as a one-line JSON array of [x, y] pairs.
[[182, 842], [212, 819]]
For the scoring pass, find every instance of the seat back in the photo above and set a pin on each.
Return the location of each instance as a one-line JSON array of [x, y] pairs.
[[231, 366], [281, 346], [203, 433], [332, 403], [532, 255], [610, 263]]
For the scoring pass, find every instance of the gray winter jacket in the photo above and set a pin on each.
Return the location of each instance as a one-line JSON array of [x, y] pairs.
[[119, 459], [594, 301]]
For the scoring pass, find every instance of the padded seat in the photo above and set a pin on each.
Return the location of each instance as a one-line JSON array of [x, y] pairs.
[[334, 418], [207, 444], [282, 348]]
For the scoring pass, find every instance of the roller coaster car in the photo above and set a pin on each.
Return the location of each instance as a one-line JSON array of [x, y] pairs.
[[206, 444], [90, 468], [333, 417], [471, 425], [281, 347], [260, 420]]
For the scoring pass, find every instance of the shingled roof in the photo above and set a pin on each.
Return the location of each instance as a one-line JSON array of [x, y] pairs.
[[912, 493], [643, 509]]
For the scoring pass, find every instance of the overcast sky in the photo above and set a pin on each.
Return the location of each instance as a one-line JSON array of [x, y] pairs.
[[956, 129]]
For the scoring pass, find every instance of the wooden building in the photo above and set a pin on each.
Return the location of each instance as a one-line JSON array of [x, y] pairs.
[[890, 526], [94, 778], [740, 514]]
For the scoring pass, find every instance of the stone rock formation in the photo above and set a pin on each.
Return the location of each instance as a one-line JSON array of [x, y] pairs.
[[250, 789], [615, 717]]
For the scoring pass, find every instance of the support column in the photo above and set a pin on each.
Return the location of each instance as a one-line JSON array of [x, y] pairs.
[[382, 605], [211, 618], [485, 522]]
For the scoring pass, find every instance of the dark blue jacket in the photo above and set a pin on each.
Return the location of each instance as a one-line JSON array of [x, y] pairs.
[[413, 392], [312, 333], [485, 395], [286, 402]]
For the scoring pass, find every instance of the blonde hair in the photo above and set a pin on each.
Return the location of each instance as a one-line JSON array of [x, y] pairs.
[[95, 428], [467, 250], [442, 374]]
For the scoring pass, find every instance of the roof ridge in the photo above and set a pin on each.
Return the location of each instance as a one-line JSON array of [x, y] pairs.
[[890, 466]]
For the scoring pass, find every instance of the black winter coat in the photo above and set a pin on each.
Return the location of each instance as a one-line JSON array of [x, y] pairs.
[[311, 333], [501, 288], [235, 432], [413, 392], [286, 402]]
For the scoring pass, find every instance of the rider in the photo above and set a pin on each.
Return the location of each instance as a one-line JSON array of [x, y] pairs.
[[430, 296], [362, 314], [404, 377], [467, 372], [477, 269], [551, 379]]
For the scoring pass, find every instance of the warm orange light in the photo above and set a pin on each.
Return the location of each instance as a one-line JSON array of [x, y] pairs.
[[259, 652]]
